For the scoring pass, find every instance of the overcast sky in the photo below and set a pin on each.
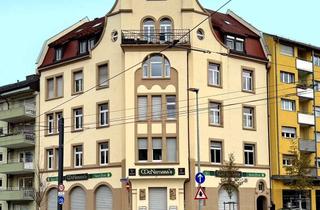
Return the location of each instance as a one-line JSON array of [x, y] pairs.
[[26, 24]]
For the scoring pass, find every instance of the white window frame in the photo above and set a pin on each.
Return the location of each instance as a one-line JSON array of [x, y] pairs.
[[284, 50], [316, 60], [318, 162], [103, 114], [156, 107], [153, 148], [214, 74], [103, 83], [318, 136], [288, 105], [175, 151], [83, 46], [289, 134], [79, 117], [138, 147], [142, 107], [247, 153], [287, 161], [80, 154], [215, 114], [215, 149], [91, 43], [248, 117], [106, 154], [78, 83], [287, 77], [58, 54], [58, 115], [50, 121], [147, 69], [50, 157], [317, 86], [248, 83], [171, 112]]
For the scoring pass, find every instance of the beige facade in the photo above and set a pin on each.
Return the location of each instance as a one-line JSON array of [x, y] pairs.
[[154, 149]]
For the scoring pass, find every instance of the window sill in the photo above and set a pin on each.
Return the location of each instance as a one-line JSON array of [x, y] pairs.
[[102, 87], [102, 126], [156, 163], [51, 99], [249, 165], [76, 131], [249, 129], [215, 86], [77, 93], [215, 125], [249, 91], [53, 134], [171, 120]]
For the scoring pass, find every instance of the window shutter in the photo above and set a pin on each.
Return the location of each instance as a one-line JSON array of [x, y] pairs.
[[142, 107], [143, 144], [171, 149], [156, 144], [156, 107], [59, 86], [103, 75]]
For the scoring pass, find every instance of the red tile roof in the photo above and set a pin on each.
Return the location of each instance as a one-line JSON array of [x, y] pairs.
[[225, 24], [70, 41]]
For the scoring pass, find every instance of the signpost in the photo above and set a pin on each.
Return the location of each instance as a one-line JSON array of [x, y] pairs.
[[200, 195], [200, 178]]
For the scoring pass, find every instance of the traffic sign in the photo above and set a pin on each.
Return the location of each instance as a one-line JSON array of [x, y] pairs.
[[200, 178], [60, 200], [200, 195], [60, 194], [61, 187]]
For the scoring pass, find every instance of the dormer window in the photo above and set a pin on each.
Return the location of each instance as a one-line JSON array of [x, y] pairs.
[[235, 43], [58, 54], [86, 45], [156, 66], [83, 47]]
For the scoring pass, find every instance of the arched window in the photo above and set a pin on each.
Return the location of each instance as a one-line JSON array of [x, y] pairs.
[[52, 199], [149, 29], [103, 198], [165, 30], [156, 66], [78, 199], [227, 203]]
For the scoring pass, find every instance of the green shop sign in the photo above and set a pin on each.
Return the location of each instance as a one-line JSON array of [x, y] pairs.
[[80, 177], [235, 174]]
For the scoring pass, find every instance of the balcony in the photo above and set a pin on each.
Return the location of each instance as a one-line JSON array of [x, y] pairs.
[[17, 113], [138, 37], [17, 140], [308, 146], [16, 194], [305, 93], [15, 168], [303, 65], [306, 119]]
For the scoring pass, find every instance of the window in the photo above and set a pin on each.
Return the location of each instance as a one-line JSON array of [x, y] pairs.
[[235, 43], [286, 50], [104, 153], [157, 149], [287, 77], [248, 117], [50, 124], [214, 74], [103, 76], [50, 159], [78, 119], [1, 131], [156, 108], [249, 154], [247, 80], [318, 136], [58, 54], [216, 152], [200, 34], [78, 156], [165, 30], [91, 43], [58, 117], [288, 105], [156, 66], [83, 47], [317, 86], [142, 107], [1, 185], [78, 82], [142, 149], [287, 160], [54, 87], [26, 157], [103, 114], [149, 30], [261, 187], [171, 108], [288, 132], [215, 117], [316, 59], [1, 157], [318, 162], [171, 149]]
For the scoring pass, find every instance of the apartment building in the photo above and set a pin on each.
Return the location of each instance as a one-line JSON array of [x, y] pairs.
[[294, 115], [121, 83], [17, 144]]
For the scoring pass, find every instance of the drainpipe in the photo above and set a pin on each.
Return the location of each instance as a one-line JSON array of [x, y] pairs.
[[314, 111], [188, 123], [277, 111]]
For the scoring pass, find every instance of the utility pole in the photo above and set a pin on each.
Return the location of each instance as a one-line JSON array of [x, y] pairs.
[[61, 146], [196, 90]]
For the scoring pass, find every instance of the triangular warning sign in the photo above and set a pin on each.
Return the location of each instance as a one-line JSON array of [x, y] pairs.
[[200, 195]]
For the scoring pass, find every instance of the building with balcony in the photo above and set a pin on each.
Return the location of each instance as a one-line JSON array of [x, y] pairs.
[[17, 143], [294, 115], [121, 83]]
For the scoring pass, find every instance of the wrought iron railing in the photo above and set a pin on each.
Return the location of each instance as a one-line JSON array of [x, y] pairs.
[[176, 36]]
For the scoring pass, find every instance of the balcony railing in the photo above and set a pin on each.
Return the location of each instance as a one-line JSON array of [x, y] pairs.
[[306, 93], [17, 140], [140, 37], [18, 112], [306, 119], [306, 145], [17, 194], [304, 65]]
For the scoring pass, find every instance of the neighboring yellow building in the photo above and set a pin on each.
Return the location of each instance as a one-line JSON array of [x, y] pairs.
[[139, 128], [294, 115]]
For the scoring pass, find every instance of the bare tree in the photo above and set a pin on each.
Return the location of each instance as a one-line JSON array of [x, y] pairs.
[[40, 188], [231, 178]]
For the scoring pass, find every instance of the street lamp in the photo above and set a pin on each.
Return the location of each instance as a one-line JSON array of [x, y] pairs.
[[196, 90]]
